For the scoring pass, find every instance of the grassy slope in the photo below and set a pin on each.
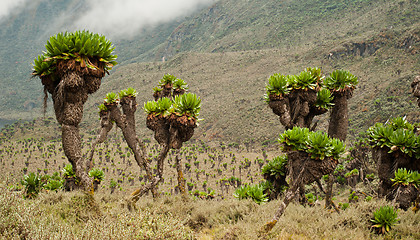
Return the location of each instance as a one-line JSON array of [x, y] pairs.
[[231, 85], [75, 217], [300, 32]]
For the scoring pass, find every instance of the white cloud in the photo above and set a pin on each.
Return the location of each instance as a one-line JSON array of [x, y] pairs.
[[125, 18], [8, 6]]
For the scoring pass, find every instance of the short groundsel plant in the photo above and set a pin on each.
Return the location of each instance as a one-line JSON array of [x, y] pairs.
[[97, 174], [398, 136], [384, 219], [254, 192], [33, 185], [275, 168], [406, 177]]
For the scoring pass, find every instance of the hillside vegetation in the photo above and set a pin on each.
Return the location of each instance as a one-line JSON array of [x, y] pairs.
[[227, 51]]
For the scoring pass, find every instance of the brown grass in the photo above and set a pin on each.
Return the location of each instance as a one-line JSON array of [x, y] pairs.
[[71, 216]]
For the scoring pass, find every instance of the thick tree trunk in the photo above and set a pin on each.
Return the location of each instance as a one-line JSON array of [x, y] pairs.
[[68, 98], [385, 170], [337, 128], [72, 149], [339, 120], [181, 180]]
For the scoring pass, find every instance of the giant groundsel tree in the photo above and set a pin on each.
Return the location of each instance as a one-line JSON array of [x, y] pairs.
[[396, 146], [297, 99], [70, 69], [172, 116]]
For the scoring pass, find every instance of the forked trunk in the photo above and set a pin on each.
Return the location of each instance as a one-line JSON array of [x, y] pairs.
[[124, 123]]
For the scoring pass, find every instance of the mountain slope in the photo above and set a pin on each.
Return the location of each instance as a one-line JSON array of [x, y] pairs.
[[227, 51], [247, 25], [23, 36]]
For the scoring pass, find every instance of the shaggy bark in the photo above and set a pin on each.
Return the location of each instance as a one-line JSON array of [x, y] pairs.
[[339, 120], [69, 86], [405, 195], [296, 109], [388, 163], [337, 128], [68, 98]]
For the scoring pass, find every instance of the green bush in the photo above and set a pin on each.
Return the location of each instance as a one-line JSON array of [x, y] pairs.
[[405, 177], [294, 139], [167, 79], [398, 135], [319, 145], [33, 185], [277, 85], [102, 108], [96, 174], [129, 92], [324, 99], [306, 79], [310, 198], [254, 192], [180, 84], [111, 98], [68, 171], [384, 218], [341, 80], [275, 168], [53, 185], [343, 206], [150, 107], [163, 106]]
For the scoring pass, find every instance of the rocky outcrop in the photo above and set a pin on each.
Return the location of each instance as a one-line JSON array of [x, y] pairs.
[[408, 40]]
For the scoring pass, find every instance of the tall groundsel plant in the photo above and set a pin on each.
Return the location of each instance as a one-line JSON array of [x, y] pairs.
[[70, 69]]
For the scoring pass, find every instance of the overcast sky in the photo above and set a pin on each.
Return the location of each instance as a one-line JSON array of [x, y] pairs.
[[128, 17], [116, 18], [7, 6]]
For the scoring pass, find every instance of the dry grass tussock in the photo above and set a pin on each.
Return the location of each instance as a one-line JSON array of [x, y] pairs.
[[77, 216]]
